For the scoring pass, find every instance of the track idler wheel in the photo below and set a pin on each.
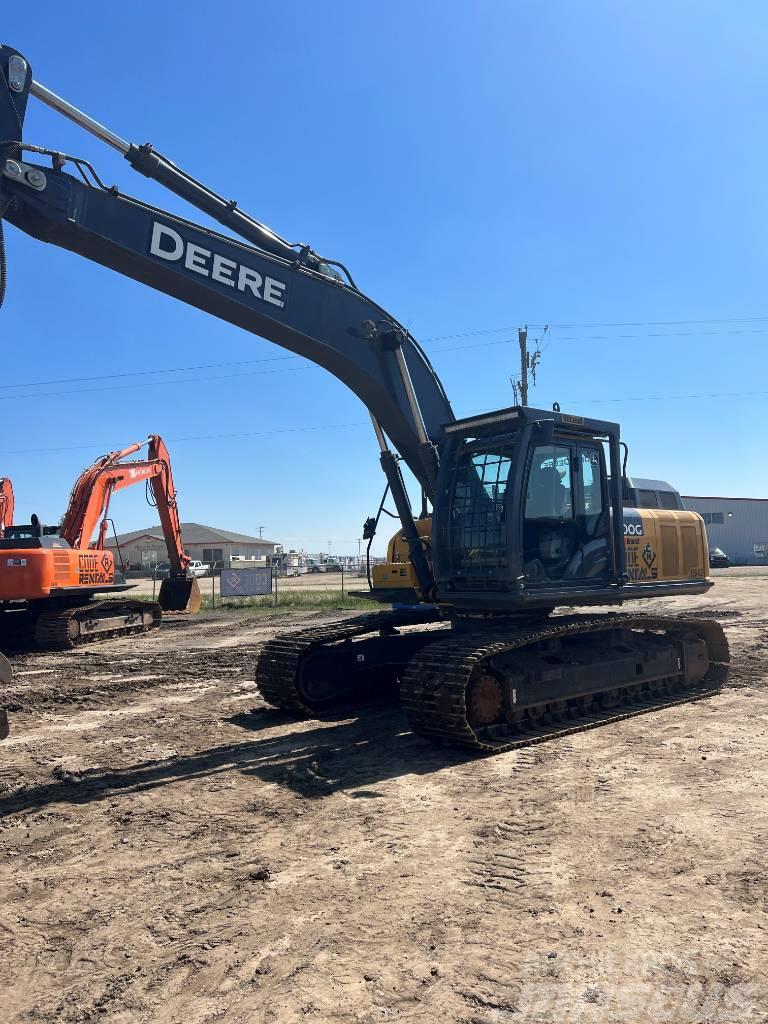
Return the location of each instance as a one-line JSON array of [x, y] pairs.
[[179, 594], [485, 700]]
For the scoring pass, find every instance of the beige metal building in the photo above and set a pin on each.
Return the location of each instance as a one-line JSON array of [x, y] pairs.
[[738, 526], [144, 549]]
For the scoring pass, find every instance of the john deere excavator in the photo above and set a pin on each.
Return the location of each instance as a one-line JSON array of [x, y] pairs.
[[49, 575], [527, 504]]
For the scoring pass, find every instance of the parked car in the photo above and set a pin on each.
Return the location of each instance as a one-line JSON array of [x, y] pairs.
[[198, 569], [162, 571], [718, 559]]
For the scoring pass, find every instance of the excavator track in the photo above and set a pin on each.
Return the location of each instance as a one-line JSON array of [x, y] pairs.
[[64, 627], [435, 687], [278, 667], [457, 676]]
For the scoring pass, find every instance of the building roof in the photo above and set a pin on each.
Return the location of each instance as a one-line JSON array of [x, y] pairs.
[[642, 483], [716, 497], [193, 533]]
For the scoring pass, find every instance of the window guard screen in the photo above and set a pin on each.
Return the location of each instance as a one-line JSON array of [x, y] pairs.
[[478, 538]]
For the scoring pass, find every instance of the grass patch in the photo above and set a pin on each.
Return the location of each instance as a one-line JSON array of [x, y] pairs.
[[310, 600]]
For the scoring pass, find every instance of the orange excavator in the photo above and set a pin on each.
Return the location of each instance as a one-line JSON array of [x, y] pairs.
[[49, 576], [6, 503]]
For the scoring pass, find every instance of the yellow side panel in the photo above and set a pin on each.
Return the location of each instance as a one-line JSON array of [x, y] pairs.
[[397, 572], [673, 546]]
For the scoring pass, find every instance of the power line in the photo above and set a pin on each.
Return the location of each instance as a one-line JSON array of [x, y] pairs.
[[663, 323], [660, 334], [628, 323], [188, 380], [143, 373], [665, 398], [573, 402], [181, 369], [199, 437], [440, 337], [154, 384], [250, 362]]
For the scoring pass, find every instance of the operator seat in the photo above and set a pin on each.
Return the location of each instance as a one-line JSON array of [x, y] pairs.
[[548, 540], [546, 494]]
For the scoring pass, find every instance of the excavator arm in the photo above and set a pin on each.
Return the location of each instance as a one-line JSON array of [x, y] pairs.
[[90, 497], [89, 504], [6, 503], [281, 291]]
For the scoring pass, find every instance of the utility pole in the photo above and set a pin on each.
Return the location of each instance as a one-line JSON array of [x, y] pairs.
[[528, 363], [522, 337]]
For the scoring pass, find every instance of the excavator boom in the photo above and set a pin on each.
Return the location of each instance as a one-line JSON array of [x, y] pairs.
[[263, 285], [89, 501], [89, 504]]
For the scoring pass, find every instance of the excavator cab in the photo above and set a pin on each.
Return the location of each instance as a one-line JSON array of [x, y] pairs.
[[525, 512]]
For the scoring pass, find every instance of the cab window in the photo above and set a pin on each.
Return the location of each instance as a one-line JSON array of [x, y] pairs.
[[668, 499], [549, 484], [591, 482]]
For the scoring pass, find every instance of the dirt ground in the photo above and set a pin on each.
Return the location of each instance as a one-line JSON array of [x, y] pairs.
[[173, 851]]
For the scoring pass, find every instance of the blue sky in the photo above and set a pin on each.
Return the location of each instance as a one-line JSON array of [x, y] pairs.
[[477, 166]]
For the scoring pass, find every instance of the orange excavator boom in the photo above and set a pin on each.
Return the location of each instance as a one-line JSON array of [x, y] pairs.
[[43, 565], [6, 503], [91, 495], [89, 504]]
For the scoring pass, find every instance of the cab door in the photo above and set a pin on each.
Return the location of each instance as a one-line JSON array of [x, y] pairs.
[[566, 521]]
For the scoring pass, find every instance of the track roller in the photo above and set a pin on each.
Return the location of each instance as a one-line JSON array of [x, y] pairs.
[[498, 690]]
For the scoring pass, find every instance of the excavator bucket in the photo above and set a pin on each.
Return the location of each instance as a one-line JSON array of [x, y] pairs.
[[180, 595], [6, 675]]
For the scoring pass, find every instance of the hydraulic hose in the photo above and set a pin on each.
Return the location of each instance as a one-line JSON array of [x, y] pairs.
[[3, 264]]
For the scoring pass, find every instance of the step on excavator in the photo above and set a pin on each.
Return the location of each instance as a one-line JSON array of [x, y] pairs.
[[50, 575], [527, 505]]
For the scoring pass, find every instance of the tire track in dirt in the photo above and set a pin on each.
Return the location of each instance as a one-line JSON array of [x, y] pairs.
[[201, 861]]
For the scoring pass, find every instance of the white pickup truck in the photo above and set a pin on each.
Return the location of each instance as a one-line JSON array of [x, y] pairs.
[[198, 569]]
